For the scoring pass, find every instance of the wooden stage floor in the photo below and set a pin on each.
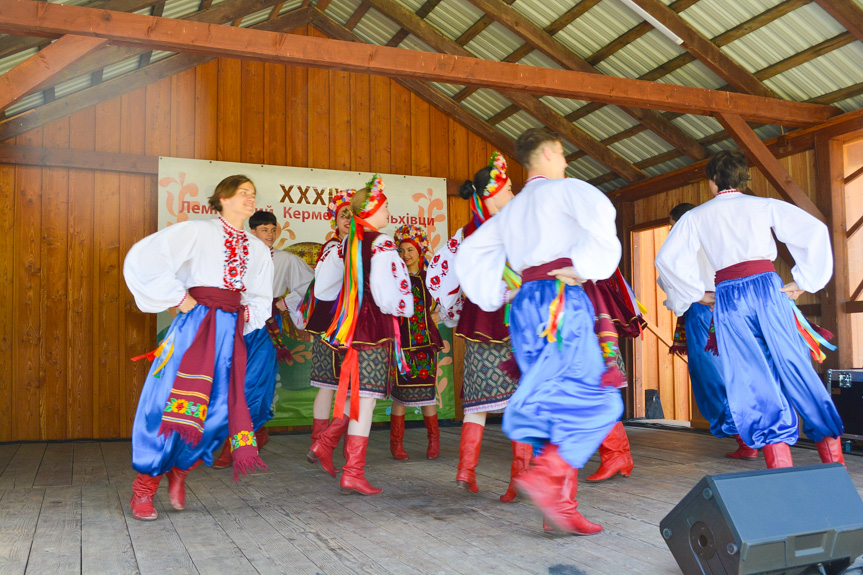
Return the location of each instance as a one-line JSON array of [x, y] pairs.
[[64, 509]]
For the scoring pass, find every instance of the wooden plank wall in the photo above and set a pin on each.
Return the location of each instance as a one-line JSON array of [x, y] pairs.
[[657, 371], [854, 211], [69, 325]]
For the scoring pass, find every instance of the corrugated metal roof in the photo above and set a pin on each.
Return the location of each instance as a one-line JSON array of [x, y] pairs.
[[342, 10]]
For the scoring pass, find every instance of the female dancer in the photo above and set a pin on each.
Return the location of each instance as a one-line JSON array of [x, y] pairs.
[[318, 311], [221, 281], [375, 291], [486, 386], [420, 341]]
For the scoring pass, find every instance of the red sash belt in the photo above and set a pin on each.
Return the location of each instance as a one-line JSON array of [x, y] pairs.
[[744, 269], [541, 271]]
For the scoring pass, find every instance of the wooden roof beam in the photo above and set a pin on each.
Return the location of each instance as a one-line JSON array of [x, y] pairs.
[[706, 51], [527, 102], [761, 156], [39, 69], [847, 13], [423, 11], [440, 101], [544, 42], [120, 85], [26, 17]]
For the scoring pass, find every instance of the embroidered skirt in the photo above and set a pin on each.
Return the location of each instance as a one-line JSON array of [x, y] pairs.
[[326, 365], [261, 371], [486, 387], [559, 399], [417, 388], [155, 454]]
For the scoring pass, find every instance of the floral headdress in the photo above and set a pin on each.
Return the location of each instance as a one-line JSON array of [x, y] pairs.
[[340, 199], [497, 181], [376, 197], [417, 235]]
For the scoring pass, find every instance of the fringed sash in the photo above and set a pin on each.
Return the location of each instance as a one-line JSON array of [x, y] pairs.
[[186, 409], [277, 336]]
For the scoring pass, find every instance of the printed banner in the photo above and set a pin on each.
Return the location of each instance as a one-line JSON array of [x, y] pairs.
[[298, 197]]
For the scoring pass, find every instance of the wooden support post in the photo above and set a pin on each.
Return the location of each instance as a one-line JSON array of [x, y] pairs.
[[761, 156], [625, 222], [830, 190]]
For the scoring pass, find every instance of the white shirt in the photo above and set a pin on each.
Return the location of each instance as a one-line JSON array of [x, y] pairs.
[[733, 228], [160, 268], [705, 272], [291, 273], [389, 280], [547, 220]]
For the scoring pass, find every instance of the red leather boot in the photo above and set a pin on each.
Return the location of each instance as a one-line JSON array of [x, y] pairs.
[[225, 458], [614, 455], [570, 488], [549, 483], [433, 451], [777, 455], [521, 454], [468, 456], [743, 451], [143, 489], [262, 437], [397, 437], [177, 487], [830, 450], [353, 473], [322, 451], [318, 427]]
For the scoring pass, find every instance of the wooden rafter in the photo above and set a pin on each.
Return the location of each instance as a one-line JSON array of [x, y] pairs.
[[358, 15], [25, 17], [423, 11], [80, 159], [541, 40], [847, 13], [761, 156], [120, 85], [434, 97], [706, 51], [530, 104], [38, 70]]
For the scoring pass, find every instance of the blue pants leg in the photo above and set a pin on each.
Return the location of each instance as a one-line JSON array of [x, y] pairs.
[[559, 398], [708, 388], [767, 366], [261, 371]]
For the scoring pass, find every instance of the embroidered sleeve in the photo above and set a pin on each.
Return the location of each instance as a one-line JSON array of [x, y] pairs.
[[389, 279], [442, 282], [329, 273]]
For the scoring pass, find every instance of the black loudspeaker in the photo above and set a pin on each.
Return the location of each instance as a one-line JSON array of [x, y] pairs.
[[792, 521]]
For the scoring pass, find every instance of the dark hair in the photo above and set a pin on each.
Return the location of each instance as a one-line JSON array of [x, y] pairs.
[[680, 209], [729, 169], [227, 188], [530, 141], [480, 181], [262, 218]]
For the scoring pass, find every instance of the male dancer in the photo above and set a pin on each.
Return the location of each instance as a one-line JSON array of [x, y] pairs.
[[765, 361], [560, 407]]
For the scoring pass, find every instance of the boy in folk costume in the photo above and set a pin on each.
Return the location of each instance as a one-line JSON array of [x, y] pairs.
[[690, 339], [420, 341], [220, 279], [265, 347], [560, 406], [375, 293], [487, 386], [765, 362], [318, 309]]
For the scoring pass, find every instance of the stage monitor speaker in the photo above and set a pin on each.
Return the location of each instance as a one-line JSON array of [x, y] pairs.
[[792, 521]]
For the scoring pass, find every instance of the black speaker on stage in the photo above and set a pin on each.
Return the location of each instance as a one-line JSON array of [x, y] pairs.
[[792, 521]]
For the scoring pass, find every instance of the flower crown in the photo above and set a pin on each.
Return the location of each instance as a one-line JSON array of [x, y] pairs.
[[339, 200], [414, 234], [376, 197], [497, 177]]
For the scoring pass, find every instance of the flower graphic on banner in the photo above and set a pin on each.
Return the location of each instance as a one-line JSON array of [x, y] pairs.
[[174, 203], [442, 381], [433, 211], [284, 234], [300, 354]]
